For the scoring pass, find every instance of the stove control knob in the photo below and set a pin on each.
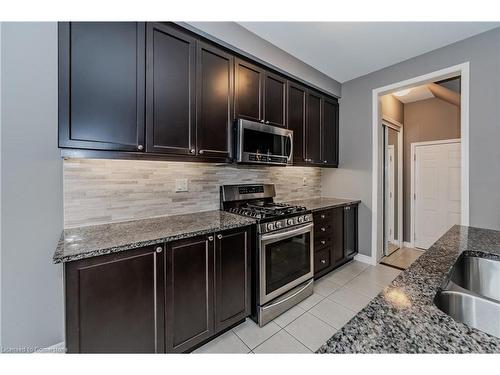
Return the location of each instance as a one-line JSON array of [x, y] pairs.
[[289, 221], [278, 224], [306, 218], [300, 219], [270, 226]]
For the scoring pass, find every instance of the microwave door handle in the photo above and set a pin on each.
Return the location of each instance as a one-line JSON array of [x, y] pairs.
[[291, 148], [287, 233]]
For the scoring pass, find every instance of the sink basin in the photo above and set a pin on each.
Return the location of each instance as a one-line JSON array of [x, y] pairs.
[[478, 275], [469, 295]]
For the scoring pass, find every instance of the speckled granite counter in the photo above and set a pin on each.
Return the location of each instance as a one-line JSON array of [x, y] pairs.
[[321, 203], [403, 317], [90, 241]]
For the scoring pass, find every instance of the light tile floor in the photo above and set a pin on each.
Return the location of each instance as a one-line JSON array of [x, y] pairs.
[[304, 328]]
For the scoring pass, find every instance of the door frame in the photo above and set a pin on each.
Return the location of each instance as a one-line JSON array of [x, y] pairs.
[[461, 70], [414, 146], [393, 124]]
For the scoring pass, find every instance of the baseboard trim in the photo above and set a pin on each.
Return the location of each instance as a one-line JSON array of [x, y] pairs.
[[407, 244], [60, 347], [364, 258]]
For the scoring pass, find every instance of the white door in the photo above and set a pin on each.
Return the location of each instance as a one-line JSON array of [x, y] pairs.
[[390, 192], [437, 191]]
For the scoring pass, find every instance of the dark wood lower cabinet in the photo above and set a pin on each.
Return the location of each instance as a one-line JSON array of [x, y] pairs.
[[115, 303], [335, 238], [164, 298], [189, 302], [232, 278]]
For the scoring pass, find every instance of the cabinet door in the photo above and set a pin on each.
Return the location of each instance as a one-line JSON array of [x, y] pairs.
[[189, 301], [297, 120], [232, 278], [249, 89], [114, 303], [214, 101], [350, 230], [170, 96], [313, 129], [275, 100], [337, 235], [330, 133], [101, 85]]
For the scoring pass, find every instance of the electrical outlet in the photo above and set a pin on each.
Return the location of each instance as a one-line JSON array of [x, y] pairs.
[[304, 181], [181, 184]]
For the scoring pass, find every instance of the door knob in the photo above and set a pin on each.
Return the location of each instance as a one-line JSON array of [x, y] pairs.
[[219, 236], [210, 238], [140, 147], [159, 249]]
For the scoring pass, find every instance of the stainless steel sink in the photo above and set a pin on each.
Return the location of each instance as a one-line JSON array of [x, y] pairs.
[[470, 293]]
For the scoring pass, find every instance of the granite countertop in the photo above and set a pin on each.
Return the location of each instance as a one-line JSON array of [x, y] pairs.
[[321, 203], [90, 241], [403, 317]]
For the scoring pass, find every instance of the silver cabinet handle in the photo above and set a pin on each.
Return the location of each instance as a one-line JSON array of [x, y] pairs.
[[219, 236], [210, 238], [323, 261], [140, 147], [323, 216], [262, 121], [192, 151], [159, 249], [323, 229], [267, 122], [201, 152], [323, 242]]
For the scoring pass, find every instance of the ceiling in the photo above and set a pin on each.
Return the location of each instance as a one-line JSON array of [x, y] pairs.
[[416, 94], [346, 50]]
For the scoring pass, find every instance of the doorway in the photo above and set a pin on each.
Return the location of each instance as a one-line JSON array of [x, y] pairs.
[[393, 186], [384, 211]]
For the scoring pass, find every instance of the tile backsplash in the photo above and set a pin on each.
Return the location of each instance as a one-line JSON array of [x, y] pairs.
[[100, 191]]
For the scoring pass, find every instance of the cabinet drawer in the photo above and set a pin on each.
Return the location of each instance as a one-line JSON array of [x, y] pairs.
[[321, 260], [322, 216], [322, 230], [321, 243]]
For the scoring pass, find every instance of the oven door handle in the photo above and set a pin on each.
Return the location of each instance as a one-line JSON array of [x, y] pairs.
[[288, 233]]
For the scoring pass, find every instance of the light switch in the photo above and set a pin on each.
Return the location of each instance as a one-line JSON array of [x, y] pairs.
[[181, 184]]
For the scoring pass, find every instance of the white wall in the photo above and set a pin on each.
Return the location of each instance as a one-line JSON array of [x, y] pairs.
[[249, 44], [353, 178], [31, 187]]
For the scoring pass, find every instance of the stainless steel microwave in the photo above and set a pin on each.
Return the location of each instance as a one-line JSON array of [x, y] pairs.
[[262, 144]]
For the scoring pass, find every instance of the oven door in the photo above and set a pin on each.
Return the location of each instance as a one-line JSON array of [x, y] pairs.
[[263, 144], [286, 260]]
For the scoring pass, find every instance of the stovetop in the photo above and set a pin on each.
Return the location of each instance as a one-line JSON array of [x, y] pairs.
[[266, 210]]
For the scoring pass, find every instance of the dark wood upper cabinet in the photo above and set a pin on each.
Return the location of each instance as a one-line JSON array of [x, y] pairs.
[[214, 79], [274, 100], [330, 133], [170, 96], [249, 89], [101, 85], [115, 303], [190, 299], [297, 120], [313, 129], [232, 277]]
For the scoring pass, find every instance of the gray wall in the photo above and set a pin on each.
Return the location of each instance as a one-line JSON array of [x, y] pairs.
[[354, 178], [235, 35], [426, 120], [31, 190]]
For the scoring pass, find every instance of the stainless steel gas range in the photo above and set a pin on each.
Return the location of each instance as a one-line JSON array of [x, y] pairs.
[[284, 256]]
